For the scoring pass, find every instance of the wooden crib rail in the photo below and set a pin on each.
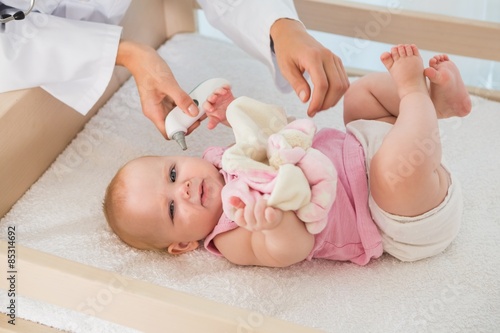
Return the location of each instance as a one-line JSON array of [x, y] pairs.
[[391, 24]]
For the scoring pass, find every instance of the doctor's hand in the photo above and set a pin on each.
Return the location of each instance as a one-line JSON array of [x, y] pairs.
[[158, 89], [298, 52]]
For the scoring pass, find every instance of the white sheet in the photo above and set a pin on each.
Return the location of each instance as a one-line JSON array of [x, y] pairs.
[[456, 291]]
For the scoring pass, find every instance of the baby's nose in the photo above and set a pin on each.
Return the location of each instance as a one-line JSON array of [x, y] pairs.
[[185, 189]]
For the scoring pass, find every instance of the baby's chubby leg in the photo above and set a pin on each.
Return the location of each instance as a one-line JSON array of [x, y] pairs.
[[216, 105], [406, 176], [372, 97]]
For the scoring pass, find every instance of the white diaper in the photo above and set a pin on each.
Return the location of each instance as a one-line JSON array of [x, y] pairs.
[[417, 237]]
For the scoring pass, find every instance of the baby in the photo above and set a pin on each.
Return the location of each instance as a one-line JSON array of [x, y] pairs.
[[391, 191]]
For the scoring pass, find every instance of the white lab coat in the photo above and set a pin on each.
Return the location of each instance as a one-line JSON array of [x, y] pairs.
[[68, 47]]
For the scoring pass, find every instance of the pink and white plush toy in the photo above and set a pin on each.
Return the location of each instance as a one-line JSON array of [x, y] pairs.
[[275, 159]]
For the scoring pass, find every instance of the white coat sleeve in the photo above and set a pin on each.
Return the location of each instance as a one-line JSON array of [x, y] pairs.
[[71, 59], [248, 23]]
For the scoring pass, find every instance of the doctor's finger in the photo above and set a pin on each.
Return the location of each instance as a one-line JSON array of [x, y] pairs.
[[156, 113], [337, 82], [196, 124], [341, 84], [320, 82]]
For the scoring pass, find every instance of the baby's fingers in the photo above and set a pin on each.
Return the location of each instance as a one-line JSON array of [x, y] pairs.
[[273, 217], [239, 218], [236, 202]]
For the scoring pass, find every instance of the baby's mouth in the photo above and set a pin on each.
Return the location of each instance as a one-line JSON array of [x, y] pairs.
[[202, 193]]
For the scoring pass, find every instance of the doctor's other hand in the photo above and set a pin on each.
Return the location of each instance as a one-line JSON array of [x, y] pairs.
[[158, 89], [298, 52]]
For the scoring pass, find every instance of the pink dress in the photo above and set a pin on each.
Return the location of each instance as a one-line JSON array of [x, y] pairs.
[[350, 234]]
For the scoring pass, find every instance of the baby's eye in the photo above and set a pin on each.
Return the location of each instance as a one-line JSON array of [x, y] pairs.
[[173, 174], [171, 209]]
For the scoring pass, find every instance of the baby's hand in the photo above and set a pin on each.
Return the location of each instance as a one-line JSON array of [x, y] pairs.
[[256, 217], [216, 104]]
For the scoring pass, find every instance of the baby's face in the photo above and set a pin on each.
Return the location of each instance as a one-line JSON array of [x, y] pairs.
[[173, 198]]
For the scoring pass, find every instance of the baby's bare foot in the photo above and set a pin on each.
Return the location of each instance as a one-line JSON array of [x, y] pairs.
[[406, 68], [216, 104], [447, 90]]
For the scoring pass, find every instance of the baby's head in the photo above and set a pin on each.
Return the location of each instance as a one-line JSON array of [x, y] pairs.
[[169, 202]]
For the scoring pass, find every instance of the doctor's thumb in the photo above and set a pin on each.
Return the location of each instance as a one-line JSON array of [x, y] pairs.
[[185, 103]]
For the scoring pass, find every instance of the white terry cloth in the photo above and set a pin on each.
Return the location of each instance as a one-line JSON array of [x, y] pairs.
[[456, 291]]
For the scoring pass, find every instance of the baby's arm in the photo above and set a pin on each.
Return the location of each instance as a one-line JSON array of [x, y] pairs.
[[267, 237]]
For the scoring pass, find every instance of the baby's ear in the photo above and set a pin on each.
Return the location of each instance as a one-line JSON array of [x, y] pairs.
[[179, 248]]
